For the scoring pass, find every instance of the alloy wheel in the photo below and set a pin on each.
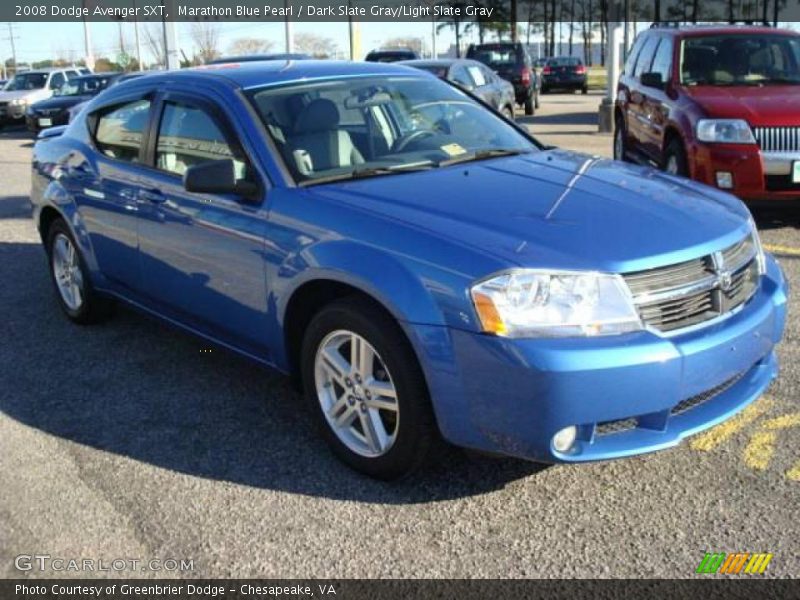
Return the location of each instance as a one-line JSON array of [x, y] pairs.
[[67, 272], [356, 393]]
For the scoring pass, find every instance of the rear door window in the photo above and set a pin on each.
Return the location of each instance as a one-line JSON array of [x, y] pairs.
[[120, 130]]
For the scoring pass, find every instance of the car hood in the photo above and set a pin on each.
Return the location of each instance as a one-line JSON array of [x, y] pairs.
[[60, 102], [770, 105], [557, 209], [8, 96]]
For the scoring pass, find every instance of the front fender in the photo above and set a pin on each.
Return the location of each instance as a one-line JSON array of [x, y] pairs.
[[411, 291]]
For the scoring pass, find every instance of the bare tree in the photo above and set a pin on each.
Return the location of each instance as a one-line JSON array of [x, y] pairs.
[[154, 39], [316, 45], [205, 36], [250, 45]]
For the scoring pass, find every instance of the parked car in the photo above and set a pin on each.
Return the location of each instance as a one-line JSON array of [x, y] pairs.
[[388, 55], [718, 104], [512, 62], [28, 87], [474, 77], [259, 57], [120, 78], [421, 266], [564, 73], [56, 109]]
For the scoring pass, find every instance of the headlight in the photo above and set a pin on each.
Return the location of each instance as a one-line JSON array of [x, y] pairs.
[[536, 303], [728, 131], [19, 102]]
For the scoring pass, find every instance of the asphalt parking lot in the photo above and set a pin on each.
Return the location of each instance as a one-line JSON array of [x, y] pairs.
[[131, 440]]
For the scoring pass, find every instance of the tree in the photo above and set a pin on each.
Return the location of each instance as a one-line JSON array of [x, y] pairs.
[[154, 38], [250, 45], [314, 44], [205, 36], [456, 21]]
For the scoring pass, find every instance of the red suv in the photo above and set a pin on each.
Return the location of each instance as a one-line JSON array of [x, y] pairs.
[[719, 104]]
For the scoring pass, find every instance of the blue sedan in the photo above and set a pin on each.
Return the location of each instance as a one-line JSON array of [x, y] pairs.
[[422, 267]]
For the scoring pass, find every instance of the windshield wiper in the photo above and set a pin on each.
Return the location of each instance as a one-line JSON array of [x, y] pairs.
[[366, 172], [480, 155]]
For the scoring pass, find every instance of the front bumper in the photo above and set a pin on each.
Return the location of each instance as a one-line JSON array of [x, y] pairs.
[[566, 82], [36, 122], [12, 112], [627, 394], [756, 175]]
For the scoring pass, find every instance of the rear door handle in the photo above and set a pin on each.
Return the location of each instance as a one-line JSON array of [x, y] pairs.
[[154, 196]]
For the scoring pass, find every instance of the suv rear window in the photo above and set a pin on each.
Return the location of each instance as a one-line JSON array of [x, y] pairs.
[[740, 59], [496, 55]]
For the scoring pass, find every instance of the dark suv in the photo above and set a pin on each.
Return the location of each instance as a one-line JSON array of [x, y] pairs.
[[719, 104], [511, 61]]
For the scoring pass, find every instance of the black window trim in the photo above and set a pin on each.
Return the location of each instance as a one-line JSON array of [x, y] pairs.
[[93, 119]]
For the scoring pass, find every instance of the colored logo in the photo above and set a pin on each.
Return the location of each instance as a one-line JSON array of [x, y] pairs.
[[734, 564]]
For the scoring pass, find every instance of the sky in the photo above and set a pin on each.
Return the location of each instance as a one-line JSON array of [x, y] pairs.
[[40, 41]]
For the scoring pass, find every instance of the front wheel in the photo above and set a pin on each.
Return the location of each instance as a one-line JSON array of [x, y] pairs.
[[68, 271], [508, 113], [675, 162], [536, 99], [366, 389], [620, 142]]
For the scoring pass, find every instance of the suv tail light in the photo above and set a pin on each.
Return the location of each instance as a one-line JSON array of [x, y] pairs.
[[580, 69], [546, 70], [526, 76]]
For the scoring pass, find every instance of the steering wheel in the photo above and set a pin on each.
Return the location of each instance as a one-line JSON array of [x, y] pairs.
[[404, 141]]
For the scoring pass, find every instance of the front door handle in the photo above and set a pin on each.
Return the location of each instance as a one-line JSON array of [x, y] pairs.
[[154, 196]]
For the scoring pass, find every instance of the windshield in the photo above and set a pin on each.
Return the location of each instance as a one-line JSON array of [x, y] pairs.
[[376, 126], [27, 81], [83, 86], [740, 60]]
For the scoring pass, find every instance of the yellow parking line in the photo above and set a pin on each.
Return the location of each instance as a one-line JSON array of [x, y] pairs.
[[760, 449], [782, 422], [777, 249], [794, 472], [720, 433]]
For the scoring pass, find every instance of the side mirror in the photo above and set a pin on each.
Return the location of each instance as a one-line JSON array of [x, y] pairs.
[[217, 177], [653, 80]]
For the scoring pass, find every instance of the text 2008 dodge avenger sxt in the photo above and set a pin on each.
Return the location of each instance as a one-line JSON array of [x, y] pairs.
[[420, 264]]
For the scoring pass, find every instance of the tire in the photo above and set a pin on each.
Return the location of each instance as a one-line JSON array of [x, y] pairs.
[[536, 100], [675, 161], [508, 112], [584, 90], [335, 393], [529, 108], [71, 280], [620, 146]]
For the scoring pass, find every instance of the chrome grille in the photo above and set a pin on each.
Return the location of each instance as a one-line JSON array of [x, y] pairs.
[[691, 292], [778, 139]]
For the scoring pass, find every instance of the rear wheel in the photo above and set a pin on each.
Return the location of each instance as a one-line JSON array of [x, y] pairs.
[[529, 108], [675, 162], [536, 99], [584, 90], [70, 277], [366, 389]]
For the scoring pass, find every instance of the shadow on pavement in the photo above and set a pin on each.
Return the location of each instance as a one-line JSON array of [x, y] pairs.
[[785, 214], [138, 389], [15, 207], [574, 118]]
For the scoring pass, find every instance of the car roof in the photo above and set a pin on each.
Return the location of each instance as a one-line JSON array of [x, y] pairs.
[[275, 72], [722, 29]]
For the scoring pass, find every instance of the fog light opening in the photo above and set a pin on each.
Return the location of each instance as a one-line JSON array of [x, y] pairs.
[[564, 439], [724, 180]]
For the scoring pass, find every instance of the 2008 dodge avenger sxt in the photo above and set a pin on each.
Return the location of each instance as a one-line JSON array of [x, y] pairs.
[[423, 266]]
